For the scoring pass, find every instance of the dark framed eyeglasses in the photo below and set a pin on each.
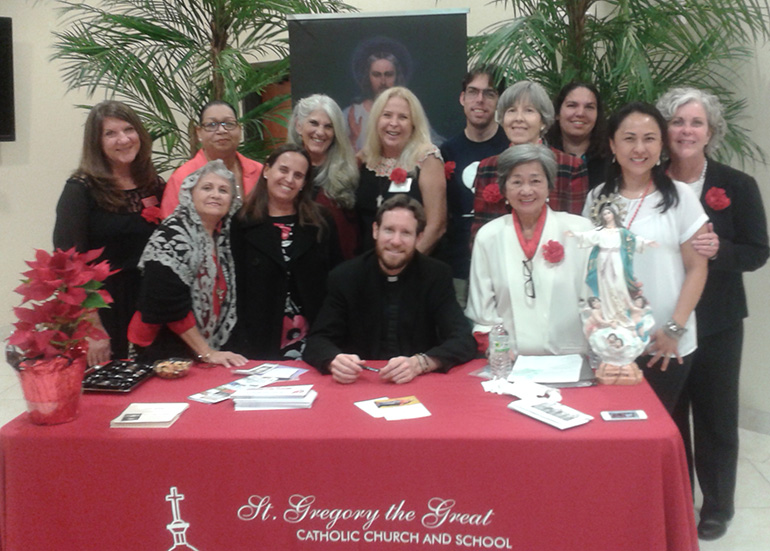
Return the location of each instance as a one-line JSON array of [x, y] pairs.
[[529, 283], [214, 126], [488, 93]]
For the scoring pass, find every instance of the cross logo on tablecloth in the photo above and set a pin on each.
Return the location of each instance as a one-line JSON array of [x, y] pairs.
[[178, 527]]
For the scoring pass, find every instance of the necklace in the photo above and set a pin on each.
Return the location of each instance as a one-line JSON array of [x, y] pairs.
[[636, 211], [699, 179]]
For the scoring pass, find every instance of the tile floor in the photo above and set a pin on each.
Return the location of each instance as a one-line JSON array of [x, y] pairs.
[[749, 531]]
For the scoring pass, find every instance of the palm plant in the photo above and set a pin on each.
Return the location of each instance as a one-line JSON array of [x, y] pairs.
[[167, 58], [633, 49]]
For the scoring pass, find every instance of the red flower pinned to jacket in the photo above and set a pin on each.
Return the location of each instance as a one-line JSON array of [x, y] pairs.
[[398, 175], [717, 199], [449, 169], [553, 252], [491, 194], [151, 214]]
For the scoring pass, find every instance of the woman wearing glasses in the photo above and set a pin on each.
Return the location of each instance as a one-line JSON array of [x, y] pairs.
[[523, 269], [219, 134]]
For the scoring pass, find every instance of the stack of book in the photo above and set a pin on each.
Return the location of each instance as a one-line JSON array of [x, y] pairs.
[[276, 397], [149, 415]]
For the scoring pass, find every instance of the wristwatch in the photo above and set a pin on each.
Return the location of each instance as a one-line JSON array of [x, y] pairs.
[[674, 330]]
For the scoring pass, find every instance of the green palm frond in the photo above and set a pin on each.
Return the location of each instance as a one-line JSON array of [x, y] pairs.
[[633, 50], [166, 58]]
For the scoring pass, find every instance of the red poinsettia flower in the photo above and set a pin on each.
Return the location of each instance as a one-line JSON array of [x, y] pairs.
[[491, 194], [553, 252], [62, 290], [398, 175], [151, 214], [449, 169], [717, 199]]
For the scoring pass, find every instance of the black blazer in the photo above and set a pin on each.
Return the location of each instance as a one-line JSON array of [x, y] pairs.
[[743, 247], [262, 281], [351, 320]]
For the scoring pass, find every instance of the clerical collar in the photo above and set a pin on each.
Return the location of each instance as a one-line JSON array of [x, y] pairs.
[[392, 279]]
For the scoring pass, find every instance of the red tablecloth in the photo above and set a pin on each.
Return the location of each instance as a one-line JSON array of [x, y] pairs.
[[473, 475]]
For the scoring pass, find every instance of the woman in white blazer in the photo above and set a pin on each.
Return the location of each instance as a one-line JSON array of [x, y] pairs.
[[524, 270]]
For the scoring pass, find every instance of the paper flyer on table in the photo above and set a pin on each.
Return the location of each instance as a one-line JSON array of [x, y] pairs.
[[370, 407], [277, 371], [547, 369], [394, 409], [225, 391]]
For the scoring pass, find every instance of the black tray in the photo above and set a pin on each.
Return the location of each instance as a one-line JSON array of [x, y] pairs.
[[116, 376]]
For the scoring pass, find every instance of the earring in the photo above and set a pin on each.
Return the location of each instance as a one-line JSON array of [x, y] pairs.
[[658, 163], [613, 159], [547, 199]]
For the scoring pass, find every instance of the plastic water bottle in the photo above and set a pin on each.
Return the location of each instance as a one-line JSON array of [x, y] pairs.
[[500, 357]]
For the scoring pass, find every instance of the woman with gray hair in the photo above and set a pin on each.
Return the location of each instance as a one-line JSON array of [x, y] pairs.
[[736, 242], [318, 126], [523, 270], [187, 298], [526, 113]]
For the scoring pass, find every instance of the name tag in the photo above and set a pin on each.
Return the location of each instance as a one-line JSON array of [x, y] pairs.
[[400, 188]]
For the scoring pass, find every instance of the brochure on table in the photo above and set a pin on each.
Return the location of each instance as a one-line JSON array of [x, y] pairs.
[[149, 415]]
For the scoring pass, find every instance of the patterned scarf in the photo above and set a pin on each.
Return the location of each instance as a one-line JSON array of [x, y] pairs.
[[182, 244]]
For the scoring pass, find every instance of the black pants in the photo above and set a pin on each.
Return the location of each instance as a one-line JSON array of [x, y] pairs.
[[669, 384], [712, 393]]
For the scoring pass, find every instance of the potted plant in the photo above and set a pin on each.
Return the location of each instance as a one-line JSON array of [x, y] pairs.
[[633, 50], [166, 59], [61, 293]]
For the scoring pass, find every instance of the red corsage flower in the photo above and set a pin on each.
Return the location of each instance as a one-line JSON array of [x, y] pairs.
[[398, 175], [491, 194], [553, 252], [449, 169], [151, 214], [717, 199]]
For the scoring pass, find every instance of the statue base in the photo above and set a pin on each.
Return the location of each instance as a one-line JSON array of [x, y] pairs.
[[609, 374]]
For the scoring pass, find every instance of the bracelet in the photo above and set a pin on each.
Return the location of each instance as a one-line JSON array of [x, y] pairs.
[[422, 359], [673, 330], [203, 358]]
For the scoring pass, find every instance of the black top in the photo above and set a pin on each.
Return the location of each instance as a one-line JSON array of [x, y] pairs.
[[83, 224], [743, 247], [264, 277], [597, 169], [370, 187], [466, 155], [352, 319]]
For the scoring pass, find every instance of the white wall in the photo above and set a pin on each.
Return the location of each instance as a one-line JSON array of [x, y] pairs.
[[49, 133]]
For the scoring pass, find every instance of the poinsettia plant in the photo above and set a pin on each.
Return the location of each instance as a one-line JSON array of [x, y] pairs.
[[61, 293]]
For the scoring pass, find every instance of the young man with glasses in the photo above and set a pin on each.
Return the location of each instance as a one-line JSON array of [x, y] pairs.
[[481, 138]]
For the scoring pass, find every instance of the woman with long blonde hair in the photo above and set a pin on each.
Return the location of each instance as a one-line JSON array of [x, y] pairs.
[[398, 157]]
